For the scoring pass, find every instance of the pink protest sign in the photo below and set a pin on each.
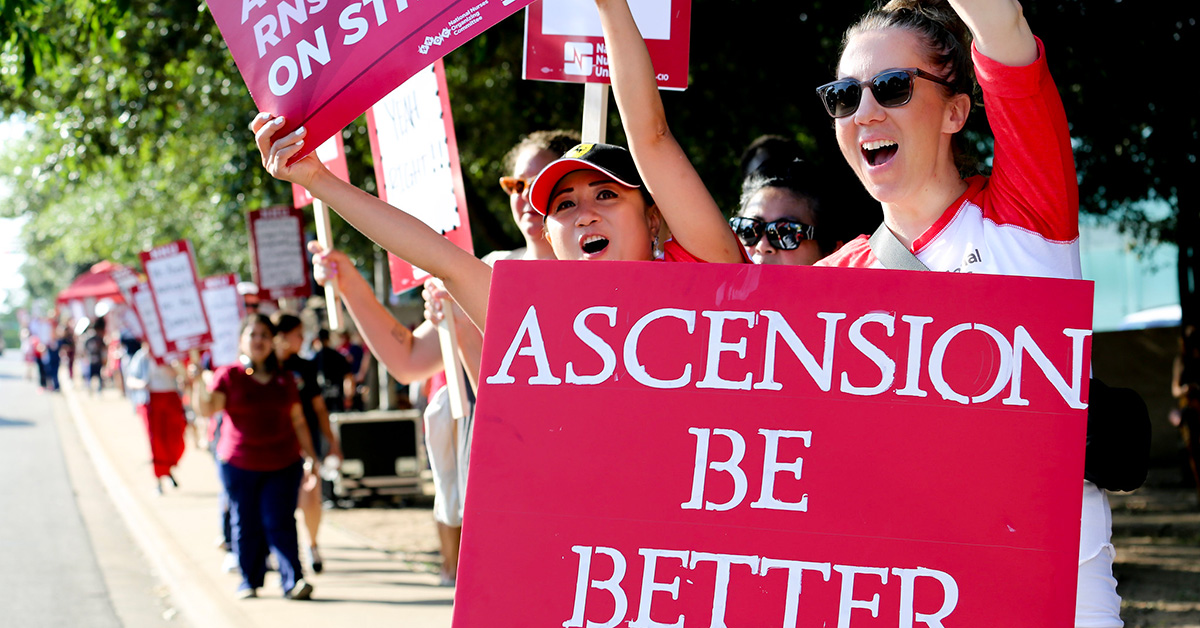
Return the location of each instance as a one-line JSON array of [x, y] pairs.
[[711, 445], [416, 163], [564, 42], [332, 153], [321, 64], [277, 250], [175, 289]]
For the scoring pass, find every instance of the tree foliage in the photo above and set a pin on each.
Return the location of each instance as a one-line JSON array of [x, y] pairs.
[[137, 121]]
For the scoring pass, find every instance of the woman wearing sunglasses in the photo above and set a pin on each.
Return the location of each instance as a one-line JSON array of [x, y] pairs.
[[902, 96], [533, 153], [782, 220]]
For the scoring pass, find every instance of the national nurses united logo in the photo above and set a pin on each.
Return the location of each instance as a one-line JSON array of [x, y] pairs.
[[577, 57]]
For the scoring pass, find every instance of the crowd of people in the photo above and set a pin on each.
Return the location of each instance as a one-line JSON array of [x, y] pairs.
[[256, 419], [906, 83]]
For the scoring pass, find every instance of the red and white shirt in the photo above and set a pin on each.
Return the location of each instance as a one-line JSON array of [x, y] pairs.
[[1024, 218]]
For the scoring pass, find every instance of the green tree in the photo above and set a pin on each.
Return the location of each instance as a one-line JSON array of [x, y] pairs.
[[139, 121]]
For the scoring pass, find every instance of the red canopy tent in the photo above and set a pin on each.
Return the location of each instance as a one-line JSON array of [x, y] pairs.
[[97, 283]]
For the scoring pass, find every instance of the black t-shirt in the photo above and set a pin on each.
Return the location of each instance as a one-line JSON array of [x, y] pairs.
[[305, 374], [332, 369]]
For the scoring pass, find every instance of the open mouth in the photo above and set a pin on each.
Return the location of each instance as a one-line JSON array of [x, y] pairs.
[[594, 244], [879, 152]]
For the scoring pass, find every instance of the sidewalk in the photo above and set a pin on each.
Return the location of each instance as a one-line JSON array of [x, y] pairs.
[[362, 584]]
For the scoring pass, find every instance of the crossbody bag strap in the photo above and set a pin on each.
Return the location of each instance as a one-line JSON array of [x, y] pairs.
[[891, 252]]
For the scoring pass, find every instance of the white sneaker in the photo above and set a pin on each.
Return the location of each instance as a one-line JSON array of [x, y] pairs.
[[230, 563], [302, 591]]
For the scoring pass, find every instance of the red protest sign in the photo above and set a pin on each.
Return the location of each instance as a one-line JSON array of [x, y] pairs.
[[416, 163], [322, 64], [564, 41], [332, 153], [171, 276], [224, 308], [278, 253], [692, 444]]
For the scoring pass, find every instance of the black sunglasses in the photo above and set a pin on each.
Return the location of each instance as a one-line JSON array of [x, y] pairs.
[[891, 88], [783, 234]]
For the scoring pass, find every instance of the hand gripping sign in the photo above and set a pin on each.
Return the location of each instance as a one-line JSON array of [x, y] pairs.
[[320, 64], [718, 445], [171, 277], [332, 153]]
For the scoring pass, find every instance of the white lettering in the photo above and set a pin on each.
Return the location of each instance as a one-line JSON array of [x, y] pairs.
[[650, 586], [348, 22], [935, 364], [912, 372], [1004, 370], [721, 590], [287, 64], [289, 12], [264, 34], [795, 570], [249, 5], [308, 52], [536, 350], [597, 344], [846, 601], [635, 367], [612, 585], [772, 466], [1023, 343], [887, 366], [908, 579], [717, 346], [777, 326], [729, 466], [380, 11]]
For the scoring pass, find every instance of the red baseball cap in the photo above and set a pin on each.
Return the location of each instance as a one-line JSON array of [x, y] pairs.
[[613, 161]]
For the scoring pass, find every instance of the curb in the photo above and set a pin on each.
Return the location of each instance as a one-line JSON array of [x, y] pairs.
[[187, 591]]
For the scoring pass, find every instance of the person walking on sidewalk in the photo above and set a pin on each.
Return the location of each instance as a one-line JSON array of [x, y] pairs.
[[153, 389], [95, 350], [259, 452], [288, 341]]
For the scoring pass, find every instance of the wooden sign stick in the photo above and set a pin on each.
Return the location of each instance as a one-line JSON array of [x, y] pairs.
[[595, 113], [333, 305], [448, 336]]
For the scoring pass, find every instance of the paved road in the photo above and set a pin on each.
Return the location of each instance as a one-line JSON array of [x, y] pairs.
[[51, 573]]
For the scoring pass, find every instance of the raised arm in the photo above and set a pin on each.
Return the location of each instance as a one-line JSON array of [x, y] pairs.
[[466, 277], [1000, 30], [693, 216], [408, 356]]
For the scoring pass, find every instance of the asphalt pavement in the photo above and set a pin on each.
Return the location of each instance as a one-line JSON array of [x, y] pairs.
[[85, 541]]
